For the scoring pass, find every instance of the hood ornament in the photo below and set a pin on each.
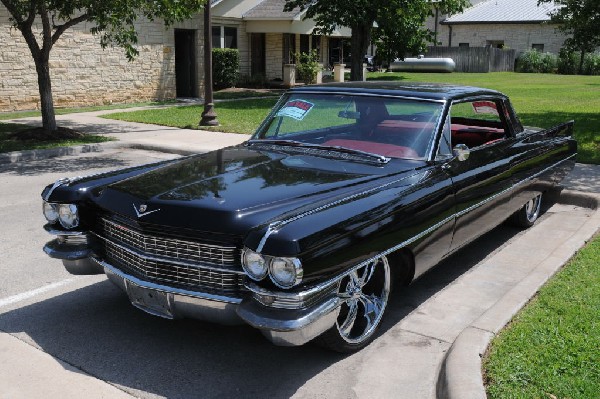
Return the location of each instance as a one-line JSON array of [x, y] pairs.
[[142, 210]]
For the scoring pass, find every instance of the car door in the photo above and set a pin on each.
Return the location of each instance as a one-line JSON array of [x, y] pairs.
[[482, 182]]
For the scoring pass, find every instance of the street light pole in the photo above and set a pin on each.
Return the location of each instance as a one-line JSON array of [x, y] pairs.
[[209, 116]]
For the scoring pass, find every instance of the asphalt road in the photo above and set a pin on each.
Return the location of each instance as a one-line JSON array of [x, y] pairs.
[[88, 323]]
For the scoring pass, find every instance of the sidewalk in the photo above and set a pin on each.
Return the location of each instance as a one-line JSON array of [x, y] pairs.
[[435, 350], [129, 134]]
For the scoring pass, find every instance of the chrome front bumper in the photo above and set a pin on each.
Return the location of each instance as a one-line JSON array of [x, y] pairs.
[[285, 325]]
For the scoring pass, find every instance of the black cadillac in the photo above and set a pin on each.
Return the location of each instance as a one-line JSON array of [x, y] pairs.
[[344, 192]]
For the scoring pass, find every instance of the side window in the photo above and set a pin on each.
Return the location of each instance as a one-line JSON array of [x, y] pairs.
[[477, 123]]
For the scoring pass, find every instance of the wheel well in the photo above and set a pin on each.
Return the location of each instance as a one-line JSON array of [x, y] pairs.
[[402, 264]]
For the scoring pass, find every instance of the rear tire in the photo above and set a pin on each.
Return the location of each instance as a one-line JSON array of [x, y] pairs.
[[528, 214], [364, 295]]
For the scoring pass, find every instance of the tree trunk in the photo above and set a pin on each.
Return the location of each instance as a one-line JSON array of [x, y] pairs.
[[361, 37], [580, 69], [42, 67]]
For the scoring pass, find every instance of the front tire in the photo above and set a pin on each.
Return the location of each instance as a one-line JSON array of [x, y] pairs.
[[528, 214], [364, 294]]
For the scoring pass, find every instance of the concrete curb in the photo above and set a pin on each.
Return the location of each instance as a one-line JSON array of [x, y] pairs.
[[460, 374]]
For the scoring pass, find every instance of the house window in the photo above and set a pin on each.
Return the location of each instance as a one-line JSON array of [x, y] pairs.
[[289, 48], [538, 47], [304, 43], [216, 37], [316, 45], [230, 35], [463, 44], [224, 37], [495, 43]]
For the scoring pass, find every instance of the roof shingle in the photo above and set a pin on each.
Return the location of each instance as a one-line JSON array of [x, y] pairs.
[[272, 9], [504, 11]]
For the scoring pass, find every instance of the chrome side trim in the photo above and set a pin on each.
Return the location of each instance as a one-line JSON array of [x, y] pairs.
[[164, 288], [58, 183], [493, 197], [275, 226], [286, 297], [270, 230]]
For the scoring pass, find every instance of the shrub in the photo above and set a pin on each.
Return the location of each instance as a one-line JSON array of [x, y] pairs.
[[533, 61], [225, 66], [307, 66], [591, 64], [568, 63]]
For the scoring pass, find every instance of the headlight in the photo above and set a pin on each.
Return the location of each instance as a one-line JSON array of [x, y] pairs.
[[68, 215], [50, 212], [285, 272], [254, 264]]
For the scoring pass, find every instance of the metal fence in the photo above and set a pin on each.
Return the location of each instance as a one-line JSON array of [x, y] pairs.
[[476, 59]]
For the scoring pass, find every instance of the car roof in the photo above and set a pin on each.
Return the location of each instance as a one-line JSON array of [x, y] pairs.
[[426, 91]]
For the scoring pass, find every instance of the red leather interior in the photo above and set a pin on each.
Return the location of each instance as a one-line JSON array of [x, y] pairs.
[[474, 136], [388, 150]]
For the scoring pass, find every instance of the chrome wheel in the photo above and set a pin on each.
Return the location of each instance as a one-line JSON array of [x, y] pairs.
[[532, 209], [364, 293], [528, 214]]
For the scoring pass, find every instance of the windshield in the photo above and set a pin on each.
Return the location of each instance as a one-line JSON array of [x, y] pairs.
[[388, 127]]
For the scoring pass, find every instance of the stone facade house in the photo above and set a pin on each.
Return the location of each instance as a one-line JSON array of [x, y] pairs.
[[517, 24], [170, 62]]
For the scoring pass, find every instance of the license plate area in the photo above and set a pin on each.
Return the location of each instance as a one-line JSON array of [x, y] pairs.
[[155, 302]]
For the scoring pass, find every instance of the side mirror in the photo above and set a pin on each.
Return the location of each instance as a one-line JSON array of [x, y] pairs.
[[461, 151]]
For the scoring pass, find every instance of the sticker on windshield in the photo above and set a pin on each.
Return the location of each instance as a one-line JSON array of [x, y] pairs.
[[296, 109], [485, 107]]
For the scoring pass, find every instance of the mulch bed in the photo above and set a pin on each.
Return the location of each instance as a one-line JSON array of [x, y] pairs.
[[41, 134]]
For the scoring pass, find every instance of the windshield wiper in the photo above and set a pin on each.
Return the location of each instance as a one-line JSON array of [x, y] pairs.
[[380, 159]]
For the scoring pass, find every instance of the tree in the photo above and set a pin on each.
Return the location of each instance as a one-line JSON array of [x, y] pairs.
[[581, 20], [393, 19], [42, 22]]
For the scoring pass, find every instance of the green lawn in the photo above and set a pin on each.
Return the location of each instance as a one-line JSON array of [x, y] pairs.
[[63, 111], [540, 100], [552, 348], [8, 145], [239, 116]]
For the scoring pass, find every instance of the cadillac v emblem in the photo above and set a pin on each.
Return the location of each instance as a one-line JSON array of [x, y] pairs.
[[142, 210]]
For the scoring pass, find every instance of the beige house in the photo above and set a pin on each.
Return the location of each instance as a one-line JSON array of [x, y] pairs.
[[170, 62]]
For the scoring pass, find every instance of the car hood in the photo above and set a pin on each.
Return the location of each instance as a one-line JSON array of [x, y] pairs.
[[234, 189]]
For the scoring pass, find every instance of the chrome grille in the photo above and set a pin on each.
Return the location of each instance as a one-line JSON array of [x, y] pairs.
[[174, 273], [171, 248]]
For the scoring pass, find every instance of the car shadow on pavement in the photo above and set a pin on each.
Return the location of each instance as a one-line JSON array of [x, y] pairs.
[[96, 330], [406, 299]]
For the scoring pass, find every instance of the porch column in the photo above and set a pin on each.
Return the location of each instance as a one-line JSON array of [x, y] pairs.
[[289, 75], [338, 72]]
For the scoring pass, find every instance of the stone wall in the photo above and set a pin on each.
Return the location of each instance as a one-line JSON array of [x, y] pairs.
[[515, 36], [274, 54], [84, 74]]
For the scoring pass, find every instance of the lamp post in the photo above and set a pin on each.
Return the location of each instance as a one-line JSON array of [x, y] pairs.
[[209, 116]]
